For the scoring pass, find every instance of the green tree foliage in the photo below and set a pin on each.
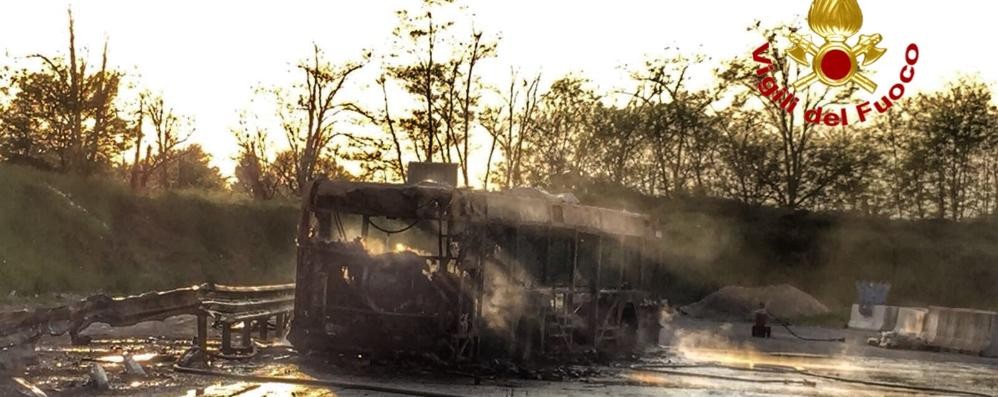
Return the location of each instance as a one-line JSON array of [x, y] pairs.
[[255, 172], [561, 149], [193, 170], [284, 168], [950, 157], [63, 116]]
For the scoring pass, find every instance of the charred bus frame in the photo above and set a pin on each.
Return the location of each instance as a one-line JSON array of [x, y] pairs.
[[497, 273]]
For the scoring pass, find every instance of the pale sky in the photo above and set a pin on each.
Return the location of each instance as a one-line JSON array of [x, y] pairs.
[[206, 56]]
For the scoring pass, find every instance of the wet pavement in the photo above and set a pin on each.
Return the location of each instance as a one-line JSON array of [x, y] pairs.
[[701, 358]]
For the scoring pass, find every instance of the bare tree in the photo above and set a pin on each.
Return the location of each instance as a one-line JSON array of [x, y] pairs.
[[478, 50], [746, 166], [679, 129], [386, 120], [512, 126], [310, 112], [169, 132], [254, 172], [438, 70]]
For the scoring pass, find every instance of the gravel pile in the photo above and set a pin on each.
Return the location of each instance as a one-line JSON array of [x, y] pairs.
[[733, 303]]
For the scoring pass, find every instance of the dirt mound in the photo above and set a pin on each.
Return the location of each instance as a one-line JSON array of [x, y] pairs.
[[733, 303]]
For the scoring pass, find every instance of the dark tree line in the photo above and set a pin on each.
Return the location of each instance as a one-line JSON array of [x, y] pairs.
[[64, 114], [935, 155]]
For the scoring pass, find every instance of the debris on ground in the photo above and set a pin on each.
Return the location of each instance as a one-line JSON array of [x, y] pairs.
[[14, 358], [897, 340], [734, 303], [98, 377], [192, 358], [132, 367], [21, 387]]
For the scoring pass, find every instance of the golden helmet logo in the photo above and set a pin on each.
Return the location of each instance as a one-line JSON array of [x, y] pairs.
[[834, 62]]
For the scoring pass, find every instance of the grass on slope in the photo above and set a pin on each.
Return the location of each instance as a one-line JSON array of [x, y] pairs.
[[709, 243], [63, 233]]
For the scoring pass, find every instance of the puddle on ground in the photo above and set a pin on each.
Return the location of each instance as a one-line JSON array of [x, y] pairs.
[[243, 389], [267, 389], [62, 371]]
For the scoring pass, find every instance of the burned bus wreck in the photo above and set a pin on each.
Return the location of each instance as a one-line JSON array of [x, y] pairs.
[[463, 274]]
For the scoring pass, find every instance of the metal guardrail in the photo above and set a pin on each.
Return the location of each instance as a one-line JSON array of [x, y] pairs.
[[205, 300]]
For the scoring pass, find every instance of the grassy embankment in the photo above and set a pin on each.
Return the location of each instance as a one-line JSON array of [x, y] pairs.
[[66, 234]]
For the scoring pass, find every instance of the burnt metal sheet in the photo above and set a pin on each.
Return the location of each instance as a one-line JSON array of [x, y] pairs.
[[421, 201], [584, 218], [518, 210], [623, 223], [381, 199]]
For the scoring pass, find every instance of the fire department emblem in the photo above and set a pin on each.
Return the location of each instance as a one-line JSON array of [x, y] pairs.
[[836, 62]]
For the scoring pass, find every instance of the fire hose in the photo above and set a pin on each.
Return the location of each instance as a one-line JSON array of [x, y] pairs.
[[786, 325], [794, 334]]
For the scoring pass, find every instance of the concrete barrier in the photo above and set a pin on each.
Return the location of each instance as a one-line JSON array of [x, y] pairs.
[[992, 350], [964, 330], [911, 321], [882, 318]]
